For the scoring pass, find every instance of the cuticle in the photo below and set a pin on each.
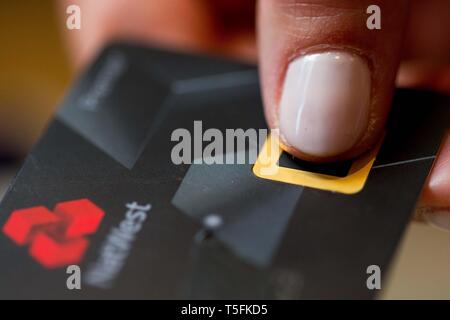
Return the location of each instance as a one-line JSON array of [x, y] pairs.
[[327, 48]]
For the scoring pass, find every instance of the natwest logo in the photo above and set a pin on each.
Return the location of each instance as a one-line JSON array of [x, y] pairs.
[[55, 238]]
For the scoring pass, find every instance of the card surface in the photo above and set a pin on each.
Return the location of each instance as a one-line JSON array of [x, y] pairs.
[[100, 191]]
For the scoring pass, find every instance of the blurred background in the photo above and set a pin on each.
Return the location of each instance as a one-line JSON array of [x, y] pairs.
[[34, 75], [34, 71]]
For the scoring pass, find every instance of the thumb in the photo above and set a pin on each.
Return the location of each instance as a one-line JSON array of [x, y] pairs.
[[327, 79]]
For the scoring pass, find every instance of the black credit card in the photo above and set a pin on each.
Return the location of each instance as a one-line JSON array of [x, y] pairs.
[[100, 190]]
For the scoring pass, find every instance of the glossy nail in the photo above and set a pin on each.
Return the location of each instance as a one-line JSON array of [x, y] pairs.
[[325, 103]]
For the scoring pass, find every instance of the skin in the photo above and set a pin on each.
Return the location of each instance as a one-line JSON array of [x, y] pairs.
[[412, 48]]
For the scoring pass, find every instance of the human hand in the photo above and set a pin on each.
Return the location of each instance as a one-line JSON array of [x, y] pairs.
[[320, 47]]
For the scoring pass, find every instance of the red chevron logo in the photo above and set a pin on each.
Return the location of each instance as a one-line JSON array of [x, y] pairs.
[[55, 238]]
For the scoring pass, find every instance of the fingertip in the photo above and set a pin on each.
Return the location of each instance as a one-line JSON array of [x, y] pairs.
[[327, 80], [437, 189]]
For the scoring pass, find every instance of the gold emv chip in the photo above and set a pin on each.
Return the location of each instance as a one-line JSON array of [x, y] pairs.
[[347, 177]]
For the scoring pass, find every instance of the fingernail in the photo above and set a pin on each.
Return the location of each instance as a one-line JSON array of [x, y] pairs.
[[325, 102], [439, 218]]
